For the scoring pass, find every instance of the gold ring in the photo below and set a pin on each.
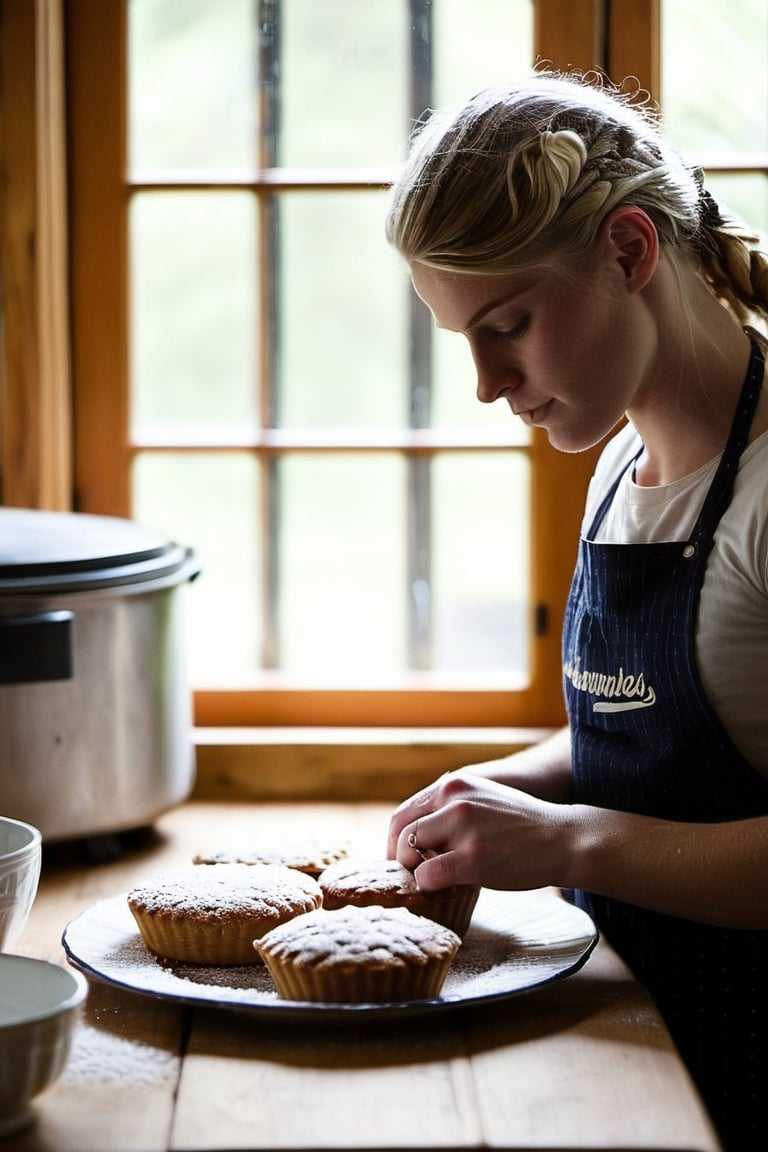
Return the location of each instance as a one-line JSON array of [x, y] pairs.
[[412, 838]]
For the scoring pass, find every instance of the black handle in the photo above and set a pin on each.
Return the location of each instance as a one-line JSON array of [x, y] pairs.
[[36, 647]]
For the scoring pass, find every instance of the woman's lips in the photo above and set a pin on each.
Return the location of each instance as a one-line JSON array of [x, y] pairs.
[[533, 415]]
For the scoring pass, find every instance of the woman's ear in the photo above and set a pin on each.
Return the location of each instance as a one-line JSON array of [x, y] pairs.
[[633, 242]]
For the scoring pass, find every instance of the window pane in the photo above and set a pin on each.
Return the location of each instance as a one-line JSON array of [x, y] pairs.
[[454, 398], [480, 589], [343, 67], [194, 315], [342, 566], [343, 292], [715, 75], [191, 92], [479, 43], [366, 44], [211, 503], [745, 194]]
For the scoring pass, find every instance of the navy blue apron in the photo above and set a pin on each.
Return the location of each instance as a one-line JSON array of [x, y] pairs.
[[646, 739]]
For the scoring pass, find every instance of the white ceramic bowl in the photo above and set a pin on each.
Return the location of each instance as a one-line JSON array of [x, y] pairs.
[[20, 859], [39, 1004]]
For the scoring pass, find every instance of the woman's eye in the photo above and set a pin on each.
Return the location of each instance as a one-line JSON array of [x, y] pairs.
[[516, 332]]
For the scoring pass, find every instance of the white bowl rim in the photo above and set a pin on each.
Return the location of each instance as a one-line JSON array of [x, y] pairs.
[[74, 1000], [35, 840]]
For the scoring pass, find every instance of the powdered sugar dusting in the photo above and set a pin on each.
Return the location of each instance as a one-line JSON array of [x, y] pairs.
[[380, 877], [364, 937], [131, 963], [100, 1057], [210, 892], [310, 856]]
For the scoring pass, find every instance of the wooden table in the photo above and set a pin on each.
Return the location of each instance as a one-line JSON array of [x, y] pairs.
[[584, 1063]]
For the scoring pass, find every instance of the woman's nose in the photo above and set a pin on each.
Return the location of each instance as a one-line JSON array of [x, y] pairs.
[[493, 382]]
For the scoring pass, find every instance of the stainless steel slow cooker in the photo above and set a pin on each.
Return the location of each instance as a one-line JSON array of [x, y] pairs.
[[95, 709]]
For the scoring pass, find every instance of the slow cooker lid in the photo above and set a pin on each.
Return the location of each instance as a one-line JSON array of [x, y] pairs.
[[55, 551]]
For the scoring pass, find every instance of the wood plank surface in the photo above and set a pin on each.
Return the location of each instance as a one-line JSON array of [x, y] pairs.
[[581, 1064]]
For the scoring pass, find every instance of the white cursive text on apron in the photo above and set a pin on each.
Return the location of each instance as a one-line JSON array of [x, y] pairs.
[[616, 691]]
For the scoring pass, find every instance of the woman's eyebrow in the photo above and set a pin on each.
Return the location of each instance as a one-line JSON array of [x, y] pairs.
[[492, 305]]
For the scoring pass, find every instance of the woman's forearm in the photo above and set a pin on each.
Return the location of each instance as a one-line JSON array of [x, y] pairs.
[[715, 873]]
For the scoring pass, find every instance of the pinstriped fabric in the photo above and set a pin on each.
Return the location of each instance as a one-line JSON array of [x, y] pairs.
[[646, 740]]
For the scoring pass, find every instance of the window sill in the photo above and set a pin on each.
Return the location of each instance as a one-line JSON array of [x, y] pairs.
[[338, 764]]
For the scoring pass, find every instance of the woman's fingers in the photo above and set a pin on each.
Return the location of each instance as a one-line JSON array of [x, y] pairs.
[[439, 871], [407, 814], [469, 830]]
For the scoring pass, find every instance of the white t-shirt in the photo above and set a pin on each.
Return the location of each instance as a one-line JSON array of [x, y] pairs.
[[732, 625]]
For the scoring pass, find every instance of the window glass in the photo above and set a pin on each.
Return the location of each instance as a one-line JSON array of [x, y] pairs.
[[343, 66], [714, 93], [341, 567], [330, 48], [479, 43], [341, 318], [192, 102], [481, 563], [745, 194], [454, 400], [715, 75], [194, 331], [212, 502]]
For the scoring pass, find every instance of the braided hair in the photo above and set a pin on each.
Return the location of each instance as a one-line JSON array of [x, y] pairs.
[[521, 172]]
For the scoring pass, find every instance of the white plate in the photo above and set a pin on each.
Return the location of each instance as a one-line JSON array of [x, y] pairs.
[[517, 941]]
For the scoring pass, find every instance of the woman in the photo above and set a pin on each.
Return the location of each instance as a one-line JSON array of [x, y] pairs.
[[595, 278]]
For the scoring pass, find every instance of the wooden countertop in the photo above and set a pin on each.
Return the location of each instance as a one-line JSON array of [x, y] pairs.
[[584, 1063]]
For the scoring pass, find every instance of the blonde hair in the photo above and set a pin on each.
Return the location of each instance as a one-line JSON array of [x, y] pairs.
[[521, 173]]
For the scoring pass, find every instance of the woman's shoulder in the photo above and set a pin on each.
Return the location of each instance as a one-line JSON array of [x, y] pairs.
[[751, 484], [743, 530]]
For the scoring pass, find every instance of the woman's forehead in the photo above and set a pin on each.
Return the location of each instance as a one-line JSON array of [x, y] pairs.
[[459, 300]]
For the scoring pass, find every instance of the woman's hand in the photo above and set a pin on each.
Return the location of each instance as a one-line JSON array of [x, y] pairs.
[[493, 834], [467, 829]]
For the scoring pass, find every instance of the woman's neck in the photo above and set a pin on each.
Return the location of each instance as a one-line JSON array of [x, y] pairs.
[[685, 408]]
